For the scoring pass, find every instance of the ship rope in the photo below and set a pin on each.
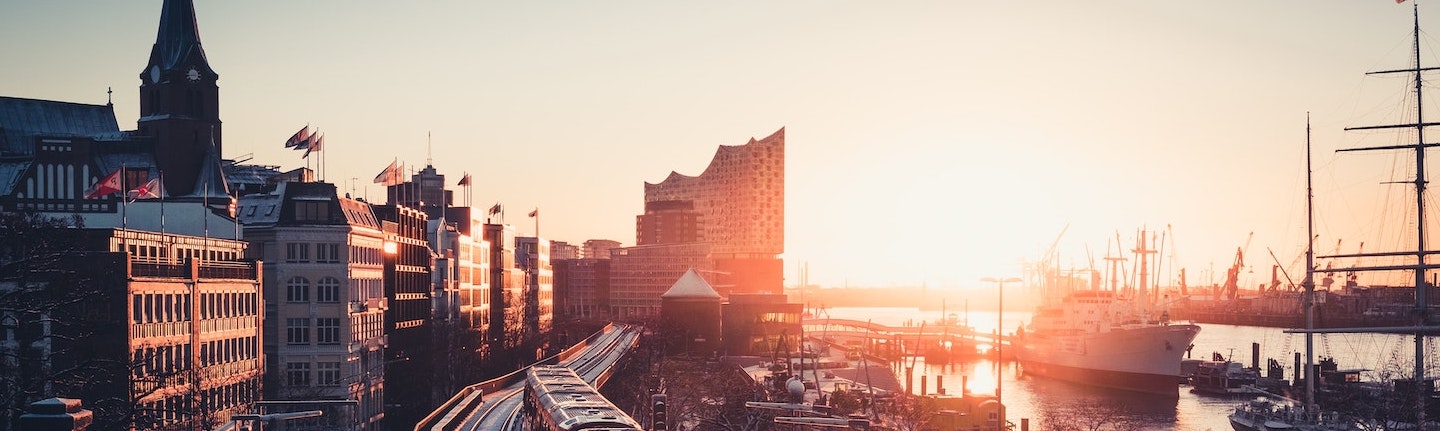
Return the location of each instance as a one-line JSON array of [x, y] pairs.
[[1325, 345]]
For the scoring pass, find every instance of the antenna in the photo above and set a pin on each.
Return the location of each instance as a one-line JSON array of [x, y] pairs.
[[428, 147]]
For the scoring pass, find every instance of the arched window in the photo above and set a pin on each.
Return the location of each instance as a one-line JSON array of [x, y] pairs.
[[327, 290], [298, 290]]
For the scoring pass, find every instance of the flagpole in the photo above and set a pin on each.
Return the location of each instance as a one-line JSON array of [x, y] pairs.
[[124, 195], [162, 203], [205, 219]]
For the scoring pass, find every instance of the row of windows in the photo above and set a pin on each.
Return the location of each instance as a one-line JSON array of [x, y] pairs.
[[367, 326], [227, 350], [170, 411], [228, 304], [326, 373], [326, 290], [299, 252], [175, 307], [160, 360], [327, 330]]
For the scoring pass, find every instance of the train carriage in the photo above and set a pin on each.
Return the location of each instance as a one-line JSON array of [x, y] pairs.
[[556, 399]]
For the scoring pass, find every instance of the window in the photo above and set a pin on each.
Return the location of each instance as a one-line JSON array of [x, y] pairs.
[[327, 330], [327, 290], [297, 373], [327, 253], [312, 211], [297, 252], [327, 373], [298, 331], [298, 290]]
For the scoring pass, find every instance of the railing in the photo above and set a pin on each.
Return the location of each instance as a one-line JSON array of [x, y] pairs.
[[240, 270], [151, 267], [227, 324], [161, 329]]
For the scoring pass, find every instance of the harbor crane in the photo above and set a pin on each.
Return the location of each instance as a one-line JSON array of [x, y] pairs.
[[1231, 289]]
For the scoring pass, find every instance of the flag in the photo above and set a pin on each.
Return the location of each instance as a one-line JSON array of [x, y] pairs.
[[495, 209], [535, 213], [299, 137], [233, 207], [465, 180], [150, 190], [390, 176], [314, 144], [106, 186]]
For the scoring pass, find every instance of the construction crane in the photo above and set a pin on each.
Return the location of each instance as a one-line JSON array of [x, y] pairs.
[[1231, 288]]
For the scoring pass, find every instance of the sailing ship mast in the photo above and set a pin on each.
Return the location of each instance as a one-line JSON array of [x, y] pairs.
[[1422, 302], [1309, 282]]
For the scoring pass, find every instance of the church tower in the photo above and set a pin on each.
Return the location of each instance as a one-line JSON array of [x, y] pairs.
[[179, 101]]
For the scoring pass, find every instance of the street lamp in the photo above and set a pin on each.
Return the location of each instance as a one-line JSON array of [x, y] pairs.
[[999, 333]]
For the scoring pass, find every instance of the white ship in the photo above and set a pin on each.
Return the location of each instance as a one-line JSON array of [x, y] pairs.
[[1111, 338]]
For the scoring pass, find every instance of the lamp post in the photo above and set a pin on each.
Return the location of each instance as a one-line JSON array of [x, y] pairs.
[[999, 333]]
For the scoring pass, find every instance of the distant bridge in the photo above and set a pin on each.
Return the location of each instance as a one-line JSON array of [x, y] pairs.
[[909, 340]]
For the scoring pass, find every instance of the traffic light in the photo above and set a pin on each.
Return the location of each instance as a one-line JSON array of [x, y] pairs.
[[657, 413]]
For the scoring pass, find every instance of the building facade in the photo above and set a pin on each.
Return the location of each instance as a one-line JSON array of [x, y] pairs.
[[582, 289], [640, 274], [325, 307], [533, 258], [410, 353], [740, 201], [155, 331]]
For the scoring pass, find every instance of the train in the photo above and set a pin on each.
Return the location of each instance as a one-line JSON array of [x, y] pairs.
[[557, 399]]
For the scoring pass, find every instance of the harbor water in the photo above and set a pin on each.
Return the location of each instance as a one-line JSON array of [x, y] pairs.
[[1050, 403]]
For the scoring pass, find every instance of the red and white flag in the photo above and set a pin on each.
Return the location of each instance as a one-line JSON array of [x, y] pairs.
[[390, 176], [150, 190], [299, 137], [535, 213], [108, 185]]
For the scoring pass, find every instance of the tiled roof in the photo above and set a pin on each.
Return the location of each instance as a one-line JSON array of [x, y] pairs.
[[691, 286], [21, 120]]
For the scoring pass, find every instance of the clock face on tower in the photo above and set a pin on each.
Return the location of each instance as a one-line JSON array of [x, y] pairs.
[[193, 75]]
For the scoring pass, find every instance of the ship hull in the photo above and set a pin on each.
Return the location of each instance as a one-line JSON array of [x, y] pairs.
[[1144, 359]]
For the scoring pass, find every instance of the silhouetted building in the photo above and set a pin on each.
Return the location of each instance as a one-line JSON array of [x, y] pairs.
[[740, 201], [325, 303], [460, 299], [690, 315], [753, 324], [166, 336], [598, 248], [425, 190], [507, 284], [582, 288], [533, 258], [560, 250], [52, 152], [668, 222], [410, 353]]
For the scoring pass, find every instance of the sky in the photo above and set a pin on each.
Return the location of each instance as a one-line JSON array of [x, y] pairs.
[[928, 142]]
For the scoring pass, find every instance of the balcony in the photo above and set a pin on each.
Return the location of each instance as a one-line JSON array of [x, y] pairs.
[[207, 269]]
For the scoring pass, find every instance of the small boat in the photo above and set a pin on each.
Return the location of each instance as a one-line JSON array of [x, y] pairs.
[[1264, 414], [1223, 377]]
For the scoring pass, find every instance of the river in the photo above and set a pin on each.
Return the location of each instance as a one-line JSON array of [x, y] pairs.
[[1045, 401]]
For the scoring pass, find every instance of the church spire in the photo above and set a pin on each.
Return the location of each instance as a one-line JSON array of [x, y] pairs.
[[178, 41], [179, 99]]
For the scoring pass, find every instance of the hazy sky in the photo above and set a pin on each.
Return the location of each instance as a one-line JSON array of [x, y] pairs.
[[927, 142]]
